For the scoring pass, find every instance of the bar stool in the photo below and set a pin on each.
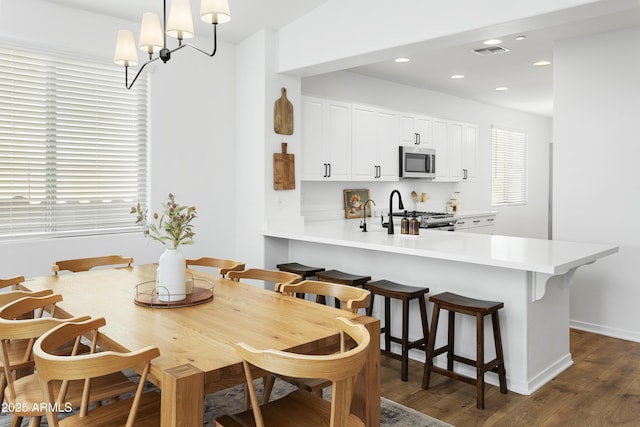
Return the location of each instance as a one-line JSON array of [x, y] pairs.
[[302, 270], [337, 276], [389, 290], [479, 309]]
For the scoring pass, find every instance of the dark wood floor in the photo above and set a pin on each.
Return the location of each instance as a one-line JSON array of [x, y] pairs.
[[602, 388]]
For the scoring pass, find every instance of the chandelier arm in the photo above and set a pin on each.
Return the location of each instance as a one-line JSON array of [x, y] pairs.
[[126, 74], [215, 43]]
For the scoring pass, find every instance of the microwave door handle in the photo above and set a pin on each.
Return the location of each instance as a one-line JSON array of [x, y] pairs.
[[427, 165]]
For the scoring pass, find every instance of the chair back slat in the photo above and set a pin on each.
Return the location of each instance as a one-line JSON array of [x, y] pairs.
[[223, 265], [351, 297], [86, 264]]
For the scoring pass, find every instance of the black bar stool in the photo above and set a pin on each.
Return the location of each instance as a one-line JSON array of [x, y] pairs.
[[301, 270], [479, 309], [337, 276], [389, 290]]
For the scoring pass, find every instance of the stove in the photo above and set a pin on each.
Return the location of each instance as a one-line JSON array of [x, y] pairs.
[[433, 220]]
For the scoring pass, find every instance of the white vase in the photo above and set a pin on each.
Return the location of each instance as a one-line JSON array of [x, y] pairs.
[[171, 276]]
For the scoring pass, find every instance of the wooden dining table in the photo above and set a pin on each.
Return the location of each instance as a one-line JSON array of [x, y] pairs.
[[197, 343]]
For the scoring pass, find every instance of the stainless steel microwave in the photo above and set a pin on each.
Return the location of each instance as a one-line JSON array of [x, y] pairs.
[[417, 162]]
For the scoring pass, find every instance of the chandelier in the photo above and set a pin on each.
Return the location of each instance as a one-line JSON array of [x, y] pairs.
[[153, 39]]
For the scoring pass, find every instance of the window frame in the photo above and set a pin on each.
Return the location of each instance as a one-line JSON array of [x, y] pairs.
[[104, 88], [502, 175]]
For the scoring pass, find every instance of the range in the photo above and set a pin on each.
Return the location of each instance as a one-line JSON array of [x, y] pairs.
[[433, 220]]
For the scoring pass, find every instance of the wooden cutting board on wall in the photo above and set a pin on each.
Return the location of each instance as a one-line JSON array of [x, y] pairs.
[[283, 115], [284, 170]]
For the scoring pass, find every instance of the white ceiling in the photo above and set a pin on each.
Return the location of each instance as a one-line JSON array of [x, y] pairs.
[[530, 88]]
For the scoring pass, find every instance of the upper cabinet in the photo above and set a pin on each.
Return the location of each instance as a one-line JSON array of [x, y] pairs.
[[326, 140], [374, 144], [355, 142], [455, 143], [415, 129]]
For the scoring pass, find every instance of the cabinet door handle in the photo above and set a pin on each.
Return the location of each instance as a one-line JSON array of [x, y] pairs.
[[377, 171], [324, 166], [464, 174], [475, 221], [490, 219], [416, 138], [329, 175], [460, 223]]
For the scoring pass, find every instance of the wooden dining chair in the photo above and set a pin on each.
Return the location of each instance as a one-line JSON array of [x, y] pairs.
[[17, 347], [13, 281], [275, 276], [85, 264], [140, 410], [351, 299], [8, 297], [24, 394], [301, 408], [223, 265]]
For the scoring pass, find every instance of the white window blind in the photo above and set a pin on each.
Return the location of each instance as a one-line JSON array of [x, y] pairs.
[[508, 167], [73, 145]]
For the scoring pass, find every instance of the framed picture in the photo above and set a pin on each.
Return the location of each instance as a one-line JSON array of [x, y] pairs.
[[354, 201]]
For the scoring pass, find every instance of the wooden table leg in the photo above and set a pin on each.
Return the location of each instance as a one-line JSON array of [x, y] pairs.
[[366, 399], [182, 401]]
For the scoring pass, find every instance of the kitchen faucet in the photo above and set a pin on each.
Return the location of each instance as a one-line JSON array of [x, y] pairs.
[[400, 206], [363, 226]]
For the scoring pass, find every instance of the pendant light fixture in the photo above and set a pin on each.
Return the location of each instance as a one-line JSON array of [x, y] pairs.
[[153, 33]]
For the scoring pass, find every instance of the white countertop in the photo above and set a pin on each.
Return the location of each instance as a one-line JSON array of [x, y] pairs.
[[537, 255]]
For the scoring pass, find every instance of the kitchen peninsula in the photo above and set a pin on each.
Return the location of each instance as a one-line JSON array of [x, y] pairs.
[[531, 276]]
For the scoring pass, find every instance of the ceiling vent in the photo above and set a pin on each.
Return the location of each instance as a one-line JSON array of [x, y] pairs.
[[490, 50]]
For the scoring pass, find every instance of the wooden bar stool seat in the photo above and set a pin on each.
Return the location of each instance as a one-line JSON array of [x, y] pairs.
[[301, 270], [337, 276], [388, 290], [479, 309]]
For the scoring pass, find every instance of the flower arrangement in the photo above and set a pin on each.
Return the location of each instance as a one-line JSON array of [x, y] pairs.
[[174, 225]]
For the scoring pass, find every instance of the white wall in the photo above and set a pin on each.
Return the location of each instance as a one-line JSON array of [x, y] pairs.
[[596, 152], [526, 221], [191, 132]]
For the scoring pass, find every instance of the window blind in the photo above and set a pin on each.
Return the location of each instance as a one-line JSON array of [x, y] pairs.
[[508, 167], [73, 145]]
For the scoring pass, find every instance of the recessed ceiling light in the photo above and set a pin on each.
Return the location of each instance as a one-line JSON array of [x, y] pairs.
[[502, 88], [541, 63], [519, 38], [492, 42], [402, 59], [457, 76]]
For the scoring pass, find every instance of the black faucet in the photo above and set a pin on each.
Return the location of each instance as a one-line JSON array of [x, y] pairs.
[[363, 226], [400, 206]]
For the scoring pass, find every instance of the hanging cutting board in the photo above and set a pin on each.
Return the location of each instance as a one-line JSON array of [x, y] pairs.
[[283, 115], [284, 170]]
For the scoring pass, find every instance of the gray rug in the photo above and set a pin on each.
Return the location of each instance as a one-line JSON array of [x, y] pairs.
[[231, 401]]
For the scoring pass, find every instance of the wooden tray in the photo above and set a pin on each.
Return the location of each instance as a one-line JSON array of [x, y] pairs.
[[146, 295]]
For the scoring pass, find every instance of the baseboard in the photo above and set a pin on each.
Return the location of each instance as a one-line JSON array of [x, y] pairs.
[[604, 330], [519, 386]]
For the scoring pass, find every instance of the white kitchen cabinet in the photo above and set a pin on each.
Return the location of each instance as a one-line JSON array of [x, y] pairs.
[[469, 148], [481, 223], [374, 144], [455, 143], [416, 129], [326, 140]]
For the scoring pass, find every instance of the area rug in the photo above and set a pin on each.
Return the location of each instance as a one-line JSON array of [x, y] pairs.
[[231, 400]]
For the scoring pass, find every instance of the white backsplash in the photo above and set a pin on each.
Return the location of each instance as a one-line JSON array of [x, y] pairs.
[[325, 200]]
